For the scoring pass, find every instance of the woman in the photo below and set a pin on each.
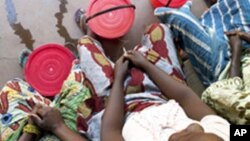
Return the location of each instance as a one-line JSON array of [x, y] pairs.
[[204, 40], [164, 121], [215, 50], [230, 97], [82, 100], [84, 93]]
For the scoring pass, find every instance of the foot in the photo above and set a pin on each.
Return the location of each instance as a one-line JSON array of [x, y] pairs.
[[24, 54], [80, 17], [72, 47]]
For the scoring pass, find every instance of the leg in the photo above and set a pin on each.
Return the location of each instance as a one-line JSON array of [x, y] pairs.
[[207, 53], [74, 102], [96, 66], [158, 47]]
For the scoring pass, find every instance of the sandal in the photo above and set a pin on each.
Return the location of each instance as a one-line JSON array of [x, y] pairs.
[[73, 48], [80, 18], [23, 57]]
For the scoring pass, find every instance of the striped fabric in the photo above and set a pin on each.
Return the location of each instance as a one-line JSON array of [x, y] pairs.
[[204, 39], [227, 15]]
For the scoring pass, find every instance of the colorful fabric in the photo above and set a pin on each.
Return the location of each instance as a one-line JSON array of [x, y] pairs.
[[158, 123], [83, 95], [157, 46], [204, 41], [231, 97], [227, 15], [18, 99]]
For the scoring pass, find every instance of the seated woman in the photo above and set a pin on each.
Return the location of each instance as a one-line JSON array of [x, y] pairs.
[[83, 95], [231, 97], [79, 108], [208, 48], [204, 40], [161, 121]]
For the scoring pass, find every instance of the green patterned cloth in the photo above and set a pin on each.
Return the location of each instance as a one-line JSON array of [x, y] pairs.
[[18, 98], [230, 97]]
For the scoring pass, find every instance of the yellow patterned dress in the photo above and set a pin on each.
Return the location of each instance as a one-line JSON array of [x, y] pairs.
[[230, 97], [17, 98]]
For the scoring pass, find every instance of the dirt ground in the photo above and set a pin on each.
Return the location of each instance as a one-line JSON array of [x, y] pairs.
[[31, 23]]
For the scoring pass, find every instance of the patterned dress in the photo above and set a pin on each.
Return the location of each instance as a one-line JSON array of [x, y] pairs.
[[203, 39], [230, 97], [84, 93]]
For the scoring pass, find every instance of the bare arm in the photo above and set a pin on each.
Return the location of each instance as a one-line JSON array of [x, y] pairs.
[[235, 44], [113, 118], [50, 119], [65, 134], [235, 38], [27, 137], [171, 88]]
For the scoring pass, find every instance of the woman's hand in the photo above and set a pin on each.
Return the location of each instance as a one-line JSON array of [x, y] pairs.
[[236, 49], [121, 68], [34, 110], [47, 118], [244, 36], [136, 58]]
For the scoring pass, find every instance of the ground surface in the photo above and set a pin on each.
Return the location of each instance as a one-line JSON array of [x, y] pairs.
[[30, 23]]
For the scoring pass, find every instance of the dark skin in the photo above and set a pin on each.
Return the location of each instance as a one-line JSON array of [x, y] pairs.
[[113, 123], [235, 38], [49, 119], [113, 118], [210, 2], [28, 136]]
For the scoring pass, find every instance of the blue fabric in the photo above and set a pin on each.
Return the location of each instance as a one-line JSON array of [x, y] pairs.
[[208, 54], [227, 15]]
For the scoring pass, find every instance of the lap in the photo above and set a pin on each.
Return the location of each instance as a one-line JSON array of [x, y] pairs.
[[18, 99], [83, 92], [229, 98], [157, 46]]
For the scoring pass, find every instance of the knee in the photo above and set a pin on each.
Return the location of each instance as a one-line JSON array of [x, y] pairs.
[[155, 32], [153, 27], [84, 40]]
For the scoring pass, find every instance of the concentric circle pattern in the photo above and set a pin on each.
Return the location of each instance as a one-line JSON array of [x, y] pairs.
[[47, 68], [112, 24]]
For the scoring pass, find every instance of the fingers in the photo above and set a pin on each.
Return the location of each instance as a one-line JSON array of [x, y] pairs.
[[130, 51], [126, 63], [120, 60], [35, 118], [242, 35], [130, 54], [245, 36], [40, 110], [231, 33]]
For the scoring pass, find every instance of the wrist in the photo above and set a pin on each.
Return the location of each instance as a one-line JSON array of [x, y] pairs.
[[145, 65], [118, 81], [59, 129]]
